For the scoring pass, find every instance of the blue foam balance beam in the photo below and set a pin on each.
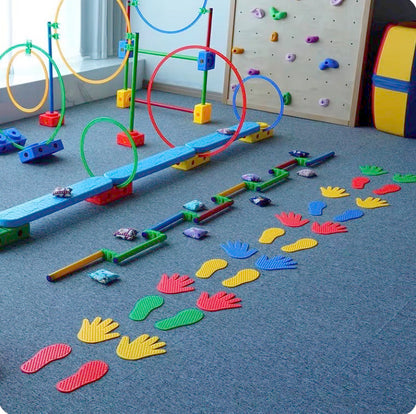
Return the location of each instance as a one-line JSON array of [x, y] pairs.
[[48, 204], [40, 150], [217, 139], [151, 164], [7, 137]]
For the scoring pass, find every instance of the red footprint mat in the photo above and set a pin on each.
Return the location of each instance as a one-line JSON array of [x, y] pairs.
[[89, 372], [359, 183], [44, 357], [388, 188]]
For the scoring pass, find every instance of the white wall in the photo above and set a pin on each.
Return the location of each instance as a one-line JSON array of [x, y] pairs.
[[172, 15]]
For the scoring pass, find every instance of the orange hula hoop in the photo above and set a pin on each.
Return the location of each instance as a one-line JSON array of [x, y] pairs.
[[77, 75], [9, 92]]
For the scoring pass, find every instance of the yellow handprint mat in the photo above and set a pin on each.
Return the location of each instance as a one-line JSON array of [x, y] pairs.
[[242, 277], [334, 192], [97, 330], [371, 202], [209, 267], [142, 347]]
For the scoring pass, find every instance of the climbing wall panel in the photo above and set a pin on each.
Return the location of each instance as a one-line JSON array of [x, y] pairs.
[[297, 61]]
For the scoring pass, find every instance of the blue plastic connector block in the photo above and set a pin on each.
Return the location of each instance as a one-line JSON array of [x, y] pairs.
[[40, 150], [206, 60], [7, 137], [122, 48]]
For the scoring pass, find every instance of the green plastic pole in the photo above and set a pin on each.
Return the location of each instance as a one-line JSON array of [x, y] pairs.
[[154, 53], [134, 81]]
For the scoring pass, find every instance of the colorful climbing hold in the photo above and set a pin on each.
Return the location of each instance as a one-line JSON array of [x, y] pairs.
[[274, 37], [287, 98], [324, 102], [258, 13], [276, 14], [290, 57], [253, 71], [312, 39], [328, 63]]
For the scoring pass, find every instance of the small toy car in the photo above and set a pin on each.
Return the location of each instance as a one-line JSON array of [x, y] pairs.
[[62, 192], [297, 153]]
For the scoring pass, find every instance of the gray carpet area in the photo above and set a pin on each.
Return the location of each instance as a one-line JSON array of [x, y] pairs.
[[335, 335]]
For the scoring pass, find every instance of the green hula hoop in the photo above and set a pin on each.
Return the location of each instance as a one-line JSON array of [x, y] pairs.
[[125, 130], [61, 84]]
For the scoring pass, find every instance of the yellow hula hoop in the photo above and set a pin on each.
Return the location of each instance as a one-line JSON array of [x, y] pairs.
[[9, 92], [82, 78]]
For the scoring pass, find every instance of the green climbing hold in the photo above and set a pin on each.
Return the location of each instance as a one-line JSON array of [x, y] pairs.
[[276, 14], [144, 306], [287, 98], [183, 318]]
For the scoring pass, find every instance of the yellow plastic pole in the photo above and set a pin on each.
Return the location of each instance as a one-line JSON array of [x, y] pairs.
[[233, 190], [80, 264]]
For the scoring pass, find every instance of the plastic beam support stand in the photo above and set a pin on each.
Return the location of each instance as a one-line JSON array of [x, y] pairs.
[[48, 204], [111, 195], [154, 238], [11, 235], [40, 150], [7, 137], [214, 211]]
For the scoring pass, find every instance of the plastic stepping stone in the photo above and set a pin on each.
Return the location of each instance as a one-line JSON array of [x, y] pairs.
[[301, 244], [404, 178], [238, 250], [183, 318], [175, 284], [328, 228], [316, 208], [371, 202], [275, 263], [358, 183], [45, 356], [271, 234], [372, 170], [291, 219], [219, 301], [387, 189], [349, 215], [90, 372], [144, 306], [209, 267], [242, 277]]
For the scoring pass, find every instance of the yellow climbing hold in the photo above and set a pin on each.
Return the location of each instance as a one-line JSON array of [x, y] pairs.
[[274, 37], [243, 276], [209, 267], [371, 202], [271, 234], [301, 244], [334, 192]]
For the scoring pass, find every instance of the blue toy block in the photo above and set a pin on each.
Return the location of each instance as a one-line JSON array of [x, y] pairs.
[[122, 48], [40, 150], [7, 138], [206, 60], [48, 204], [217, 139], [151, 164]]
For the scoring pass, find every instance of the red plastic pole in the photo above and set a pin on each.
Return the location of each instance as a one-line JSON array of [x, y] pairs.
[[213, 211]]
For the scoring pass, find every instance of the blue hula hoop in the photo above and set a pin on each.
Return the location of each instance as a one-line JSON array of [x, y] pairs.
[[279, 92], [171, 31]]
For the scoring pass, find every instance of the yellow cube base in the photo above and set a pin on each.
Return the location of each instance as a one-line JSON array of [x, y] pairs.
[[259, 136], [123, 98], [202, 113], [191, 163]]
